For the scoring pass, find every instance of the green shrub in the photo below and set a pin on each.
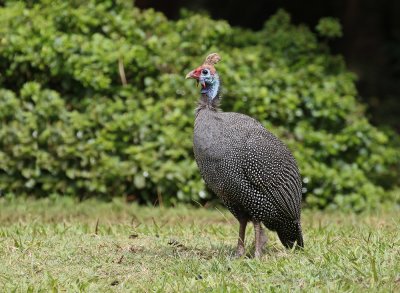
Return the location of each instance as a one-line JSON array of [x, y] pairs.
[[329, 27], [71, 125]]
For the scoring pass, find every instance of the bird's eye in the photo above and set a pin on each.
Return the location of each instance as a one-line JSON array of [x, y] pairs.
[[205, 71]]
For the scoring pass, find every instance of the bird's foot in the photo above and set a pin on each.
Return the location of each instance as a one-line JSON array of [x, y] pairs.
[[258, 254], [240, 251]]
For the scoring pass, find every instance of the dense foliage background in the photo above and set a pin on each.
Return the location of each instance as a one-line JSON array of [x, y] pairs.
[[94, 103], [370, 43]]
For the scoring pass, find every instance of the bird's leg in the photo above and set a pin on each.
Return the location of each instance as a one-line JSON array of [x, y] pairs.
[[242, 230], [264, 238], [259, 239]]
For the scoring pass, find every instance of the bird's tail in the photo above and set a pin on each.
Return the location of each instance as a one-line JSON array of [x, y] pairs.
[[291, 234]]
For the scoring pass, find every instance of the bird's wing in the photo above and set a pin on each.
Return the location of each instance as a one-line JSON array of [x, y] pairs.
[[272, 169]]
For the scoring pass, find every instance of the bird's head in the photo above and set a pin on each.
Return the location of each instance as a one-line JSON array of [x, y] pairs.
[[207, 76]]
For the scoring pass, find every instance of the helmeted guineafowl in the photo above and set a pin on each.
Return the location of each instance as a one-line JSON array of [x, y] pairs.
[[251, 170]]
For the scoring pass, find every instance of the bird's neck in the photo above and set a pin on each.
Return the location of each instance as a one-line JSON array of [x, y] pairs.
[[209, 97], [211, 88]]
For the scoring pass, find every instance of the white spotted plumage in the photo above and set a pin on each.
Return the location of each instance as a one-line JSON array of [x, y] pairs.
[[250, 169]]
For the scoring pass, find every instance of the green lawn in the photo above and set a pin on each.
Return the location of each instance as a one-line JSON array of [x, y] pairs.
[[96, 246]]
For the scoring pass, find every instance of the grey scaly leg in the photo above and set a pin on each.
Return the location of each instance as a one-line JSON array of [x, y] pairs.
[[242, 230], [264, 238], [258, 239]]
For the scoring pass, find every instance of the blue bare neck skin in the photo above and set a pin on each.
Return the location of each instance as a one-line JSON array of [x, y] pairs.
[[209, 98], [211, 90]]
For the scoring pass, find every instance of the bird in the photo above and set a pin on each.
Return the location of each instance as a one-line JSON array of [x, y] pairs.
[[253, 172]]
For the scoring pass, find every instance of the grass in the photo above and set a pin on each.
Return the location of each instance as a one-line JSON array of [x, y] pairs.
[[93, 246]]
